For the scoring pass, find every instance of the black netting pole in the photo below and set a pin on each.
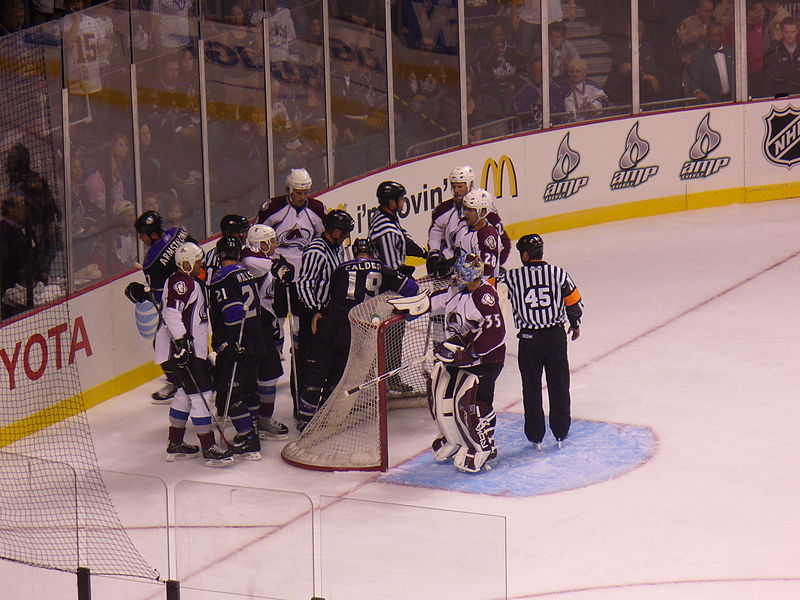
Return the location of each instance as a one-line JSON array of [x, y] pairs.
[[84, 584], [173, 590]]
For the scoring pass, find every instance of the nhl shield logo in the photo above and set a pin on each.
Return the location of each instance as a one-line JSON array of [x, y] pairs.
[[782, 136]]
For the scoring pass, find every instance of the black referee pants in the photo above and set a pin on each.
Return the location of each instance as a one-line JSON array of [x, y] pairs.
[[545, 349]]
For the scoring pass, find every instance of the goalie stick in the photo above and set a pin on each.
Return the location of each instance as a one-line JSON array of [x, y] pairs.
[[217, 424], [425, 357]]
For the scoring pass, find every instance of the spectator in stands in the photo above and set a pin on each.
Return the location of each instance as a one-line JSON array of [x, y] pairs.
[[527, 101], [619, 85], [18, 266], [712, 68], [526, 20], [562, 52], [585, 99], [424, 20], [12, 17], [173, 23], [691, 33], [723, 12], [754, 19], [280, 26], [124, 240], [498, 60], [774, 15], [151, 165], [782, 62], [105, 185], [120, 150]]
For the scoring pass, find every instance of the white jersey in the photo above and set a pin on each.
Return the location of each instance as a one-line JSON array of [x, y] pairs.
[[485, 243], [174, 18], [184, 312], [447, 222], [85, 40], [260, 265]]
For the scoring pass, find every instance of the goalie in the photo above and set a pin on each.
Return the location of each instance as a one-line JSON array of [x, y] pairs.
[[467, 366]]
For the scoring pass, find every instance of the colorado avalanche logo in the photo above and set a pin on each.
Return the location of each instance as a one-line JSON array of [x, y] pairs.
[[455, 323], [781, 142], [295, 237], [487, 299]]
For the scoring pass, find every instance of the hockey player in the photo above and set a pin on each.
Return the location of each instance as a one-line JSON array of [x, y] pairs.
[[183, 342], [468, 364], [238, 340], [543, 297], [447, 220], [257, 256], [479, 237], [391, 241], [230, 226], [320, 259], [297, 219], [159, 264], [352, 282]]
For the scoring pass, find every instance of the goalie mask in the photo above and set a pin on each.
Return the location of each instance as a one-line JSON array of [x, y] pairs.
[[467, 269], [187, 256], [261, 233]]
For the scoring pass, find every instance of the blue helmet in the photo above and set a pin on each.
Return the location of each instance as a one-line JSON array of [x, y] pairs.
[[468, 268]]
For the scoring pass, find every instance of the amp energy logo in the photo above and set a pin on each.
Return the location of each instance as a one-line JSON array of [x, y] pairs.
[[498, 168], [562, 186], [630, 174], [782, 136], [700, 165]]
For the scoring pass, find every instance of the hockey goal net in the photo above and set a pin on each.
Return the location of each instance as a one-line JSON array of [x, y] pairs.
[[349, 431]]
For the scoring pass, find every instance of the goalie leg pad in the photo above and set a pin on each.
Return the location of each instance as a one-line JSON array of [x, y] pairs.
[[475, 419], [442, 411]]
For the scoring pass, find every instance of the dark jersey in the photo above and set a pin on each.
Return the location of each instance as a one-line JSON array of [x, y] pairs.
[[356, 280], [159, 263], [234, 300]]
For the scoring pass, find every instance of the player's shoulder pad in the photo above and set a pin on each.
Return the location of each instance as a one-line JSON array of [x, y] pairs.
[[180, 283], [271, 206], [316, 206], [494, 219], [442, 208], [486, 298]]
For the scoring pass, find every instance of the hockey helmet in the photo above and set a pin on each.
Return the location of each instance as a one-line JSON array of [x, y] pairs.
[[233, 225], [149, 222], [465, 174], [339, 219], [260, 233], [388, 191], [363, 246], [188, 254], [480, 200], [228, 248], [298, 179], [468, 268], [532, 244]]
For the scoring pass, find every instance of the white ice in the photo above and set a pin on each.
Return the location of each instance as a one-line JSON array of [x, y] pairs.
[[691, 328]]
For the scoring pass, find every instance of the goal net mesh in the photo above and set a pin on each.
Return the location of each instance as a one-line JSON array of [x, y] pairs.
[[349, 431], [55, 510]]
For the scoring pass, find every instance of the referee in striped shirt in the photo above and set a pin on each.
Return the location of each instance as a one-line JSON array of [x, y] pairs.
[[391, 241], [543, 297]]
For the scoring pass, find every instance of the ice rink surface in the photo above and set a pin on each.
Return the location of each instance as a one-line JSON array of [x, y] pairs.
[[689, 340]]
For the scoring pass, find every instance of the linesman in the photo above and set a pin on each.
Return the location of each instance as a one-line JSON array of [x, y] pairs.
[[392, 242], [543, 297]]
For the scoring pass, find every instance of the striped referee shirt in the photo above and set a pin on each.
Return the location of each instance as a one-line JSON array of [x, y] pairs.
[[320, 259], [211, 263], [542, 295], [389, 238]]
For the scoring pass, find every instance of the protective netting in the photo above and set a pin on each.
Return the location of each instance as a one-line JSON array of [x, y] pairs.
[[55, 511], [349, 430]]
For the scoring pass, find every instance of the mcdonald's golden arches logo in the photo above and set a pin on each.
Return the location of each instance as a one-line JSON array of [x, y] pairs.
[[497, 168]]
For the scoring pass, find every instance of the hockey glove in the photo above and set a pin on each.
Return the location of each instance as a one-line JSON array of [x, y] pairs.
[[231, 351], [184, 350], [282, 270], [406, 270], [135, 292], [432, 264]]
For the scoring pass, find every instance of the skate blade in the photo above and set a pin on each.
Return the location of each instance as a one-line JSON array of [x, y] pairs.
[[177, 457], [157, 402], [272, 437], [219, 463], [249, 456]]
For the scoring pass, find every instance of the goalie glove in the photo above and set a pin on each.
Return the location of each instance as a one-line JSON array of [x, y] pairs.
[[452, 352], [282, 270], [136, 292], [415, 305], [184, 350]]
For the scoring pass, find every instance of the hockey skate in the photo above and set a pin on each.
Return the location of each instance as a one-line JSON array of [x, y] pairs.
[[443, 450], [537, 446], [217, 457], [181, 451], [247, 446], [270, 429], [560, 441], [473, 462], [165, 394]]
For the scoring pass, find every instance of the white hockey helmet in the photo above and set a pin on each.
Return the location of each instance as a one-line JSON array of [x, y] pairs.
[[298, 179], [260, 233], [188, 253], [468, 268], [465, 174], [480, 200]]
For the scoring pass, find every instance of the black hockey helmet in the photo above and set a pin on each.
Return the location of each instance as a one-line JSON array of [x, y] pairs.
[[532, 244], [149, 222], [389, 190], [234, 225], [229, 248], [339, 219], [363, 246]]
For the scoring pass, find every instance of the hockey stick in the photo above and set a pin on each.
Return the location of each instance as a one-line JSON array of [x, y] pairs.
[[295, 381], [233, 374], [186, 368], [425, 357]]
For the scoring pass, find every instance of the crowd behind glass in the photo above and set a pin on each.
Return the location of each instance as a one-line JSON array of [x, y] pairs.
[[181, 106]]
